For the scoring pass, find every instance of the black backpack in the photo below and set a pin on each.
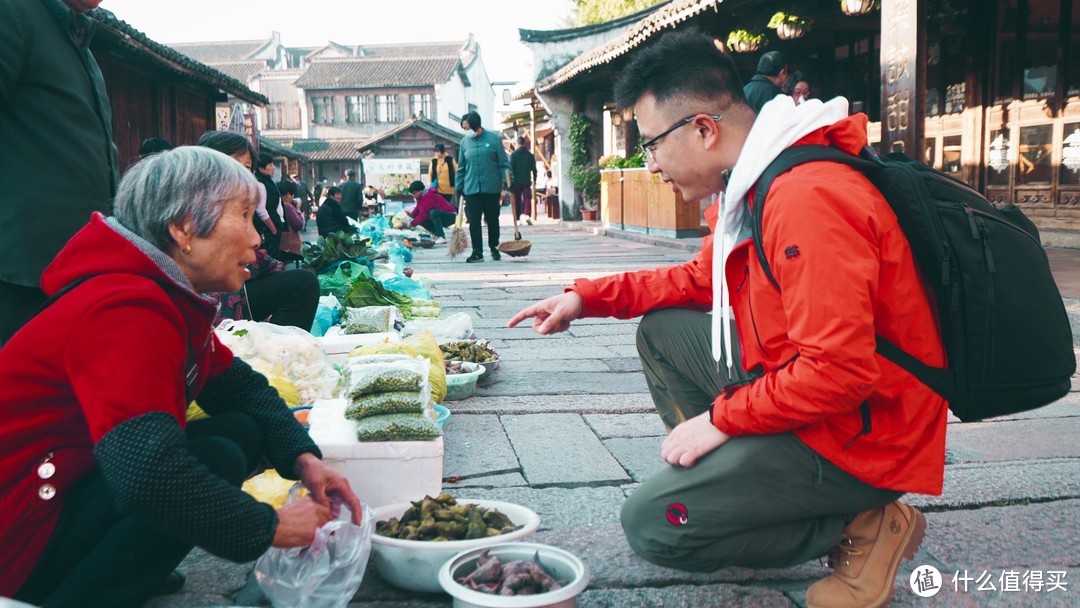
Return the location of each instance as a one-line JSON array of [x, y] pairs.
[[1005, 330]]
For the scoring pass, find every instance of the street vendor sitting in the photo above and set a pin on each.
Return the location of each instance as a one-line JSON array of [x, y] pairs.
[[104, 486], [431, 210], [373, 201]]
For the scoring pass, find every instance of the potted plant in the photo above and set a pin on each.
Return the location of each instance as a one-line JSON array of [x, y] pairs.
[[745, 41], [586, 180], [789, 26]]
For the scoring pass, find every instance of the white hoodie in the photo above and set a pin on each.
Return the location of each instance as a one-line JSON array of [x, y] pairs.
[[780, 124]]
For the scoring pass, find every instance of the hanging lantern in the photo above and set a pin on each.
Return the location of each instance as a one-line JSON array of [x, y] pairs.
[[788, 26], [857, 7]]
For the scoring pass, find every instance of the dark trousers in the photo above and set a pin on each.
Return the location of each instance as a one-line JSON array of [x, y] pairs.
[[484, 206], [437, 220], [17, 304], [100, 557], [756, 501], [287, 298], [522, 194]]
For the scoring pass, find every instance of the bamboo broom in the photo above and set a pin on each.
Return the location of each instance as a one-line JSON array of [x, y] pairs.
[[459, 240]]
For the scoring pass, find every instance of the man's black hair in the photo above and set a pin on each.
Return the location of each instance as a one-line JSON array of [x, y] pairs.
[[285, 187], [416, 186], [351, 173], [264, 159], [680, 63], [440, 148], [473, 119], [334, 190], [227, 142], [771, 63]]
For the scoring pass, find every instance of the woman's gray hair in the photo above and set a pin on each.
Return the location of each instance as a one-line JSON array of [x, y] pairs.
[[189, 182]]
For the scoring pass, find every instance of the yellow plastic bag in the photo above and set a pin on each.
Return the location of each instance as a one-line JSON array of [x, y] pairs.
[[423, 345], [269, 487], [284, 387]]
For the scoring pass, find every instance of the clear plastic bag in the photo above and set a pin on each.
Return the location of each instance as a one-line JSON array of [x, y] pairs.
[[370, 319], [458, 326], [381, 404], [398, 427], [324, 575], [292, 350], [364, 376]]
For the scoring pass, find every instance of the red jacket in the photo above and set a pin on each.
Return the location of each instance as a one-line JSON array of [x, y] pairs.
[[846, 273], [428, 201], [112, 349]]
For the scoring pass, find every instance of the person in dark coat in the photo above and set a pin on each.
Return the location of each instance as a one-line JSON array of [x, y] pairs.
[[522, 178], [765, 85], [57, 157], [350, 195], [331, 218]]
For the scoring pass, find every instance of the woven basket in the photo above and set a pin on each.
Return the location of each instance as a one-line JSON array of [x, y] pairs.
[[515, 249]]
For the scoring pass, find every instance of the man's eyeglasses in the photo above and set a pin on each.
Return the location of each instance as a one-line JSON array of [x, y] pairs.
[[649, 148]]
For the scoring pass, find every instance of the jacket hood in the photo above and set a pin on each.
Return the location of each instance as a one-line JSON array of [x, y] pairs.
[[105, 246]]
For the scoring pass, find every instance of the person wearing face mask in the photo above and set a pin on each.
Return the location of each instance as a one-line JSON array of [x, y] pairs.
[[483, 172], [797, 86], [52, 188]]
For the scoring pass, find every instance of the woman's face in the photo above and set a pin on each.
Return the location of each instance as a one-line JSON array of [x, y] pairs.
[[801, 92], [216, 262], [244, 158]]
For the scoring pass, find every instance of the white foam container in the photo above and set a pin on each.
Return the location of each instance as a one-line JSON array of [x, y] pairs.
[[338, 346], [560, 564], [380, 472]]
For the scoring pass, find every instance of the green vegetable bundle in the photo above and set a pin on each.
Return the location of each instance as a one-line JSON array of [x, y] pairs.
[[369, 292], [337, 247], [469, 350], [397, 427]]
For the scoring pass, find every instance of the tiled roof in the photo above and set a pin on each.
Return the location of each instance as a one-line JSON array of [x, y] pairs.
[[324, 149], [375, 72], [123, 35], [416, 50], [424, 123], [584, 30], [219, 52], [243, 71], [273, 147], [668, 16]]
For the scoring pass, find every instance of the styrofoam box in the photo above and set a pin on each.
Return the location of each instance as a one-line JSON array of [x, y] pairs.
[[337, 347], [380, 472]]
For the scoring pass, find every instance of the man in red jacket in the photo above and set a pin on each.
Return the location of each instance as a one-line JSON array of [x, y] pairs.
[[796, 440]]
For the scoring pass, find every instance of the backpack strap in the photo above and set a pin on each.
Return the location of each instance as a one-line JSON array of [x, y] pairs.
[[191, 366]]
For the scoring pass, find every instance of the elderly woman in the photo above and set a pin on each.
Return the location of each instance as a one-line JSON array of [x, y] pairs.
[[103, 488]]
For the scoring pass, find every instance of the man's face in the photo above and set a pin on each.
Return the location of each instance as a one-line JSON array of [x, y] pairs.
[[268, 170], [337, 196], [691, 157], [416, 195]]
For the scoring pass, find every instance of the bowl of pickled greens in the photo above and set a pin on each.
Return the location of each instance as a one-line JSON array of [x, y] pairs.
[[472, 351], [413, 540]]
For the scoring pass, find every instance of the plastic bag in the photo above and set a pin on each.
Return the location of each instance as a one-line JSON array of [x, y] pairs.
[[269, 487], [327, 315], [401, 219], [370, 319], [426, 309], [365, 377], [407, 286], [422, 344], [338, 280], [324, 575], [457, 326], [288, 351], [381, 404], [398, 427]]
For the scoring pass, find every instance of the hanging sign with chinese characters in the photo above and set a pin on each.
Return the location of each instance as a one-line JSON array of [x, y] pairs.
[[998, 159], [1070, 151], [392, 165], [901, 111]]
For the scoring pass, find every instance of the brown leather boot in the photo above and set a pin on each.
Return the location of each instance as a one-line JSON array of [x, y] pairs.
[[867, 558]]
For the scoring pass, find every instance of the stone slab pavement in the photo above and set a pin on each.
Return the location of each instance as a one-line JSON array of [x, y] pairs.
[[566, 427]]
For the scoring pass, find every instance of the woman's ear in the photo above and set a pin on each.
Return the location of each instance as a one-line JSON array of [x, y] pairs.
[[182, 234]]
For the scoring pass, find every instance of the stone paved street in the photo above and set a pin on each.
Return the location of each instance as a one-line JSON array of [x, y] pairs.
[[566, 428]]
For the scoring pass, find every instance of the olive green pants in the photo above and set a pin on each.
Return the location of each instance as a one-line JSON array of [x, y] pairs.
[[756, 501]]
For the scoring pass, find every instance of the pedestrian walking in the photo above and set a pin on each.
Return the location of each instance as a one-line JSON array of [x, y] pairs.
[[442, 173], [483, 173], [797, 439], [350, 195], [523, 176]]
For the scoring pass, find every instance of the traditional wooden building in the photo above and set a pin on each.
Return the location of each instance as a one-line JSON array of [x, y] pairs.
[[988, 90], [397, 156], [155, 91]]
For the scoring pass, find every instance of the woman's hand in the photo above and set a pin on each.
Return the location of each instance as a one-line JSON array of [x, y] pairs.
[[297, 523], [691, 440], [324, 482], [553, 314]]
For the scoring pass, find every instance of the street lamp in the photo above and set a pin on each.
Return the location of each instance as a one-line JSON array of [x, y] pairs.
[[857, 7]]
